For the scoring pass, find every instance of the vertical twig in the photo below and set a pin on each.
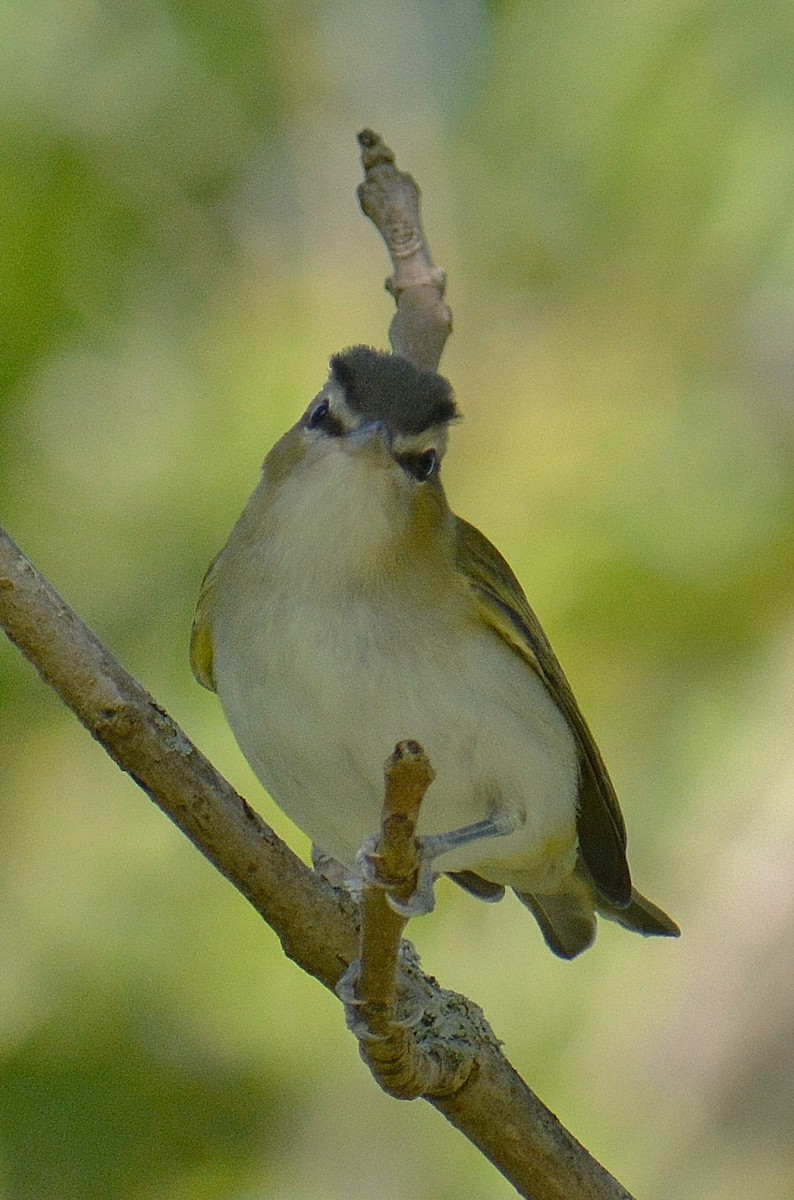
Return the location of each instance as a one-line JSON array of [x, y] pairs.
[[390, 198], [402, 1065]]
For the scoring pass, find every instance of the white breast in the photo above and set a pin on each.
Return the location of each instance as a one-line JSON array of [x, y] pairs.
[[319, 693], [319, 679]]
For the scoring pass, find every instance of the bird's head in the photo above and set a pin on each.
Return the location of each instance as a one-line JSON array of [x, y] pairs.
[[357, 478]]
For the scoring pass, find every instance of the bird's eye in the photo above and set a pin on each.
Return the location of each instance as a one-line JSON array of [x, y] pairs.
[[319, 415], [420, 466], [323, 419]]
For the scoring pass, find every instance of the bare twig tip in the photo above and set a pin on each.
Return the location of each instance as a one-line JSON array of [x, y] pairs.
[[374, 150], [390, 198], [407, 749]]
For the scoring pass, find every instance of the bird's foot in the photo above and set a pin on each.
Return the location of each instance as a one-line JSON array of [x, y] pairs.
[[355, 1008], [347, 991], [422, 899]]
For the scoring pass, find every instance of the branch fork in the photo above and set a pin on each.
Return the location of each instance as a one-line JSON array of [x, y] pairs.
[[381, 1007]]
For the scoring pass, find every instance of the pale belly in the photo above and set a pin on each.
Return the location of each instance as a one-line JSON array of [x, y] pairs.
[[317, 723]]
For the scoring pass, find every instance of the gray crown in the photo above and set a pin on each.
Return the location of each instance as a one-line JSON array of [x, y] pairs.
[[388, 388]]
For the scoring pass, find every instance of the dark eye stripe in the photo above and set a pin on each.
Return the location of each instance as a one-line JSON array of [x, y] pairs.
[[323, 419], [420, 466]]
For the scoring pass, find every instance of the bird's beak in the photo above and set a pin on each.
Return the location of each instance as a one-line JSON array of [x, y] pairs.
[[374, 435]]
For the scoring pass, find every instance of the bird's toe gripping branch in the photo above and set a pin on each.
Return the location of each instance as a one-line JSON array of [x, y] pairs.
[[419, 899]]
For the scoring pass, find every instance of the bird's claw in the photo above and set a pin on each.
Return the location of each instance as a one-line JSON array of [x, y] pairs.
[[356, 1021], [347, 991], [422, 898]]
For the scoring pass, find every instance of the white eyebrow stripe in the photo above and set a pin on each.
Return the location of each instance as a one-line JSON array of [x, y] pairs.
[[339, 406], [434, 438]]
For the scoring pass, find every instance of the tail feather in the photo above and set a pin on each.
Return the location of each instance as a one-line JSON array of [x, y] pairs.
[[567, 919], [641, 916]]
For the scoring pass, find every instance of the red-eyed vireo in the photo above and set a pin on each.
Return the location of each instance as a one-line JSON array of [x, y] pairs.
[[351, 609]]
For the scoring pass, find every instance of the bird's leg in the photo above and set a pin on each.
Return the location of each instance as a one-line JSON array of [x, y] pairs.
[[431, 847], [335, 872]]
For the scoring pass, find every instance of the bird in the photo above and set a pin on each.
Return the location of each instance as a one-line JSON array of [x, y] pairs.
[[351, 609]]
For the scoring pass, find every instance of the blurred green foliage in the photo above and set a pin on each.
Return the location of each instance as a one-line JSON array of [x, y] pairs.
[[610, 188]]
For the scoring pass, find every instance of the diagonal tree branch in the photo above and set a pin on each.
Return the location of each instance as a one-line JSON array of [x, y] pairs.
[[317, 926]]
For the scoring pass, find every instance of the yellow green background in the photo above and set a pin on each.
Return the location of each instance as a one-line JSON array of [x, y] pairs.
[[610, 187]]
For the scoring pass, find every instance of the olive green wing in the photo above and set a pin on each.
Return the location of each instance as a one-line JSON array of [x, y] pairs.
[[201, 650], [504, 607]]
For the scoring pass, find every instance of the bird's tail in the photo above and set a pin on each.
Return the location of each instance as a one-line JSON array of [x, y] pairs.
[[641, 916], [567, 919]]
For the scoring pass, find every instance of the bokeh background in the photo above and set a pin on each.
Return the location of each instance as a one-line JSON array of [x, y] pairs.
[[610, 187]]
